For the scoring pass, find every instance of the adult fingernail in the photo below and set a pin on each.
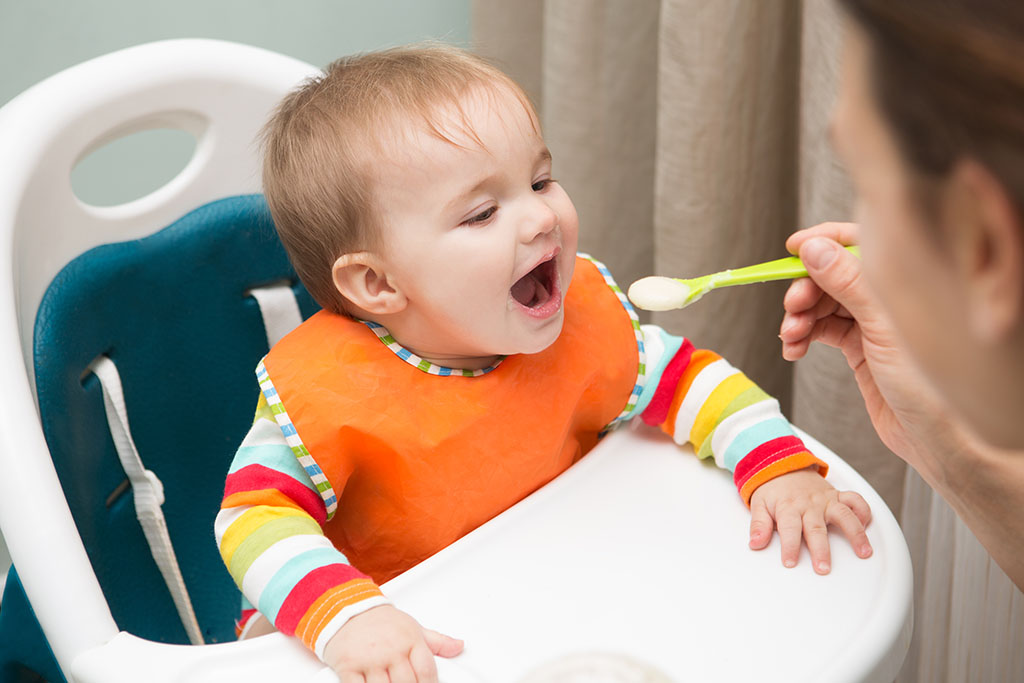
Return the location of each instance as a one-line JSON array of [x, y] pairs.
[[818, 253], [788, 325], [789, 564], [823, 567]]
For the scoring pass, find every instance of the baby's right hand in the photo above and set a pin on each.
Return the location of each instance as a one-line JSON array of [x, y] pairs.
[[385, 644]]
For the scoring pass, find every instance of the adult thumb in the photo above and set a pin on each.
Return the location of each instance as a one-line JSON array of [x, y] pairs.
[[838, 273], [442, 645]]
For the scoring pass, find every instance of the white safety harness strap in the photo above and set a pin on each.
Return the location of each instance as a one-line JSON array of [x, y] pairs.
[[148, 492], [279, 309], [281, 314]]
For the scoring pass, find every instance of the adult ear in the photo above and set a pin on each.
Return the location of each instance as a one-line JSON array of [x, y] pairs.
[[990, 239], [361, 277]]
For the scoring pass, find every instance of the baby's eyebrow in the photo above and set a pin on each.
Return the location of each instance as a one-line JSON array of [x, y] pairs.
[[462, 196], [542, 156]]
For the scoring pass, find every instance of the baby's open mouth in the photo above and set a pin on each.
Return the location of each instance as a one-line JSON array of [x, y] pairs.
[[537, 289]]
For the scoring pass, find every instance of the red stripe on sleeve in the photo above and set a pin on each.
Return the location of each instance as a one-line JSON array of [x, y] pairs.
[[247, 614], [764, 455], [308, 589], [657, 410], [260, 477]]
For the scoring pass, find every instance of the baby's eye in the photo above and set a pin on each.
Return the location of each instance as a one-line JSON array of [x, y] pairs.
[[481, 217], [542, 185]]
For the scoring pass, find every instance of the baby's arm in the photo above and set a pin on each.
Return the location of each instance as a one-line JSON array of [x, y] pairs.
[[270, 535], [695, 396]]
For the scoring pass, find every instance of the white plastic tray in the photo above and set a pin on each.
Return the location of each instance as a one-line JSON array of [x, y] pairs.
[[640, 550]]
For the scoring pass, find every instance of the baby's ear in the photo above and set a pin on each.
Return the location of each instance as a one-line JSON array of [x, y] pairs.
[[362, 279]]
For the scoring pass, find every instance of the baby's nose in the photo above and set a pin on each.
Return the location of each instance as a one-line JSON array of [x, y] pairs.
[[541, 220]]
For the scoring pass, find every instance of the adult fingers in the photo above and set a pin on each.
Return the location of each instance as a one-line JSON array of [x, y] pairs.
[[796, 326], [761, 525], [442, 645], [790, 529], [844, 233], [816, 537], [802, 295], [843, 516], [793, 351], [841, 333], [838, 273]]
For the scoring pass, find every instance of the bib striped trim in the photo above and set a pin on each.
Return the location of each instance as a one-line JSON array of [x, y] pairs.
[[641, 372], [284, 421], [420, 363]]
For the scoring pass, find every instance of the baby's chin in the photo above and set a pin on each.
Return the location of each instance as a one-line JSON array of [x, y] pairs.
[[540, 340]]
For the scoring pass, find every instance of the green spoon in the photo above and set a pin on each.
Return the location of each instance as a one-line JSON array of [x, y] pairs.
[[665, 293]]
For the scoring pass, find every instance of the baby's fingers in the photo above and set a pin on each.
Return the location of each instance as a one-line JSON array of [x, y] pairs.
[[442, 645], [855, 502], [761, 525], [422, 661], [816, 537], [401, 672], [790, 529], [848, 519]]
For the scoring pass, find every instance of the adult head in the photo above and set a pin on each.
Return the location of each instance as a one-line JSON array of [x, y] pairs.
[[930, 125]]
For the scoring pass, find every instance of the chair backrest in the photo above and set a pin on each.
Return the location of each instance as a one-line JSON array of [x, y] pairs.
[[159, 285], [171, 311]]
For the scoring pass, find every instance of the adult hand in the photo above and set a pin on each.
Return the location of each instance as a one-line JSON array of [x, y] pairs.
[[834, 306]]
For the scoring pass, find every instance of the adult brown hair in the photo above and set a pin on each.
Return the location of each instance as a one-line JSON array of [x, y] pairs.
[[948, 76]]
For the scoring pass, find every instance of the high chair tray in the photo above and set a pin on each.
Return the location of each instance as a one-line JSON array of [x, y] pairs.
[[634, 558], [640, 551]]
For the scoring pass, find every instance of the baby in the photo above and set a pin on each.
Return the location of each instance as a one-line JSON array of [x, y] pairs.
[[465, 357]]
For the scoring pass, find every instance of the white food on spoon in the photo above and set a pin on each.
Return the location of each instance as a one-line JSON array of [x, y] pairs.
[[657, 293]]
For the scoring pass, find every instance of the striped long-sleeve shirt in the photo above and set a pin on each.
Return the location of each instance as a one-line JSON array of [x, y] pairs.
[[270, 528]]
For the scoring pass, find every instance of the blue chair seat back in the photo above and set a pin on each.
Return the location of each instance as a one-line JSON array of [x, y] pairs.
[[171, 311]]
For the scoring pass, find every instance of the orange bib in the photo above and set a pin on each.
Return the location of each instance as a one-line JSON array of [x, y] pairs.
[[418, 460]]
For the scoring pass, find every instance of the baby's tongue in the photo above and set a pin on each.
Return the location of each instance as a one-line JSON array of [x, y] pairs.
[[528, 290]]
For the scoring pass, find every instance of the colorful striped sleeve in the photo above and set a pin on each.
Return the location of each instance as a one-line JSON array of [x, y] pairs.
[[269, 532], [697, 397]]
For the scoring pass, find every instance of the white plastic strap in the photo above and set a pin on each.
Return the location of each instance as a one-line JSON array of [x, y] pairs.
[[148, 492], [279, 309]]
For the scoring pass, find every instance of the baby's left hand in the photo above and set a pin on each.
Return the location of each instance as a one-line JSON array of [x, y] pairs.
[[803, 503]]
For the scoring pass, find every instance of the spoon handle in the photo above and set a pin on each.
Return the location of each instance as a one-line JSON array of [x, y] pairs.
[[780, 269]]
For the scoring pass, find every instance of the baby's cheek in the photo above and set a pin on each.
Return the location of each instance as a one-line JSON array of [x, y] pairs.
[[569, 268]]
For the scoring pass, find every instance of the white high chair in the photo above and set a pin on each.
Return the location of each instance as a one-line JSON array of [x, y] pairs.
[[638, 551], [222, 93]]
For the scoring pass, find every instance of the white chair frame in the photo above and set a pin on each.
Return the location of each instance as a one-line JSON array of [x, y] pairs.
[[222, 94]]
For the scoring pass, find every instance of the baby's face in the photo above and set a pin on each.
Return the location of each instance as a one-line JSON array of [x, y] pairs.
[[477, 234]]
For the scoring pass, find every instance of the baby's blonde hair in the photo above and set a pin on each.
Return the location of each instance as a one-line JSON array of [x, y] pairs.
[[320, 143]]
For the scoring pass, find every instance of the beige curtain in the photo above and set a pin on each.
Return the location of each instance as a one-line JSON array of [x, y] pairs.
[[691, 135]]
